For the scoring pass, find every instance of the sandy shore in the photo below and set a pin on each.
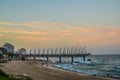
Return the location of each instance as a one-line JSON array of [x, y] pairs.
[[39, 72]]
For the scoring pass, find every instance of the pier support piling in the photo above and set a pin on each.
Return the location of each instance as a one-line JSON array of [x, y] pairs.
[[34, 58], [84, 58], [60, 59], [47, 58], [72, 59]]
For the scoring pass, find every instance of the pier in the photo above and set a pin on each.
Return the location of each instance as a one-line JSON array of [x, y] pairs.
[[58, 53]]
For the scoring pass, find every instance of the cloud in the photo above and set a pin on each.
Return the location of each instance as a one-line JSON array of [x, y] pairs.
[[53, 24], [33, 38], [47, 31], [35, 24], [1, 35], [40, 24], [24, 32], [8, 23], [78, 31], [101, 36]]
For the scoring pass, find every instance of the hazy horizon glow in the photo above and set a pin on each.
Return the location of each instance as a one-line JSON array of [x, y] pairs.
[[49, 24]]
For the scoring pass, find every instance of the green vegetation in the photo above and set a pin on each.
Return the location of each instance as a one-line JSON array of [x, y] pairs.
[[4, 76], [3, 61]]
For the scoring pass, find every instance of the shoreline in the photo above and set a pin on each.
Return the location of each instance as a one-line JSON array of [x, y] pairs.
[[39, 72], [78, 73]]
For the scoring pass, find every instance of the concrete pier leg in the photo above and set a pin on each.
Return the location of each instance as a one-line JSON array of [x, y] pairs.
[[34, 58], [72, 59], [47, 58], [60, 59], [83, 58]]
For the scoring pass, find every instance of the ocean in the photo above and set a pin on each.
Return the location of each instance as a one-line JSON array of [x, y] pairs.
[[96, 65]]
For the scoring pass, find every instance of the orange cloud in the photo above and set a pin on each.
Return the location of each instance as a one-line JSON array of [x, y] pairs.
[[33, 38], [36, 24], [92, 35], [78, 32], [41, 24], [86, 29], [8, 23], [67, 33], [102, 36], [25, 32], [1, 35]]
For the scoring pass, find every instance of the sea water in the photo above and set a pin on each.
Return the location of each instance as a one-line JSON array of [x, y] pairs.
[[97, 65]]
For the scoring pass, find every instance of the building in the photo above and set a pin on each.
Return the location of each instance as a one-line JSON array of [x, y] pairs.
[[22, 51], [9, 47]]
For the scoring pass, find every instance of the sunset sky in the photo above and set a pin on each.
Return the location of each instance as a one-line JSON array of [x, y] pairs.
[[34, 24]]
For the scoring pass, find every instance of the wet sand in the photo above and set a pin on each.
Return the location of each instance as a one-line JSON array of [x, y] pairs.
[[39, 72]]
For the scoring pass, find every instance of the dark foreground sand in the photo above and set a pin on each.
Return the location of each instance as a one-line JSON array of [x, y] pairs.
[[39, 72]]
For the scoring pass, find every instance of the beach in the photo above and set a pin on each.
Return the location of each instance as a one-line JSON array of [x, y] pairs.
[[37, 71]]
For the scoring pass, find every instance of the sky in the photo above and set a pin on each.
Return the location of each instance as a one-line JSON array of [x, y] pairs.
[[34, 24]]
